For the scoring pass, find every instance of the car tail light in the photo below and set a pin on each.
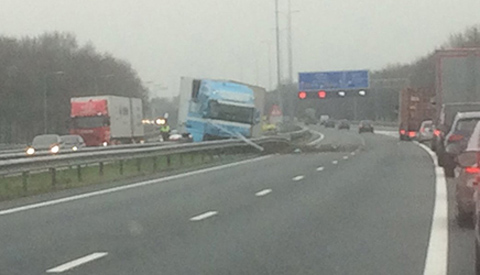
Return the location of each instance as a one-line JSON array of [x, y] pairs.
[[455, 137], [472, 170], [411, 134], [437, 132], [402, 132]]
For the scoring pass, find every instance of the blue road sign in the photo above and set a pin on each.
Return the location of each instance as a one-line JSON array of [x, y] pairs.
[[337, 80]]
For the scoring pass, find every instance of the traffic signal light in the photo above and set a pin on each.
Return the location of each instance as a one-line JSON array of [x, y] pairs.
[[322, 94], [302, 94]]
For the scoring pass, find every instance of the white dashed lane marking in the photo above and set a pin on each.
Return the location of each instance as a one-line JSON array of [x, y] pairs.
[[203, 216], [263, 192], [72, 264], [297, 178]]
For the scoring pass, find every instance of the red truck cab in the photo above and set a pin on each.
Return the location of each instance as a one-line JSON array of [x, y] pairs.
[[90, 120]]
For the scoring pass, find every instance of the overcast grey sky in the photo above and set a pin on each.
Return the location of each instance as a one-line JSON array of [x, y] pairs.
[[166, 39]]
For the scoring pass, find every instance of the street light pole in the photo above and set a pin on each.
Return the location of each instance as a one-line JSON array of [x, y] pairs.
[[279, 74], [269, 52], [45, 103], [290, 54]]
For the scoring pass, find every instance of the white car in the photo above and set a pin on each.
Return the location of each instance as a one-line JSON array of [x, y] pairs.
[[425, 133]]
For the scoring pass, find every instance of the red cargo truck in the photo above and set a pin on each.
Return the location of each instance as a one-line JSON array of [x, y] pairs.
[[415, 107], [104, 120]]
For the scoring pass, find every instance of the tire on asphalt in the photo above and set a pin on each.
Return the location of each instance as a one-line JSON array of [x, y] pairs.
[[464, 220], [449, 171], [477, 257], [449, 166]]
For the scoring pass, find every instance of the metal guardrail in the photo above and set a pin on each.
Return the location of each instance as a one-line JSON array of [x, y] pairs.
[[51, 163], [296, 134], [15, 154]]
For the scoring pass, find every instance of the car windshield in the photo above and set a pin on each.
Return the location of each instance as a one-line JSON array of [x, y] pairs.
[[45, 140], [232, 113], [89, 122], [467, 125], [218, 137], [70, 139]]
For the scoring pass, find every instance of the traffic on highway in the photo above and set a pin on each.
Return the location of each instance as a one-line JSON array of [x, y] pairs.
[[240, 137]]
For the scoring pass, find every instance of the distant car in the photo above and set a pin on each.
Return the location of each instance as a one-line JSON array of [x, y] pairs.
[[365, 126], [73, 142], [45, 143], [462, 127], [344, 124], [425, 133], [176, 136], [324, 119], [330, 123]]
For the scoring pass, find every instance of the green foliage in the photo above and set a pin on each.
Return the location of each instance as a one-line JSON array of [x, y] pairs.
[[28, 67]]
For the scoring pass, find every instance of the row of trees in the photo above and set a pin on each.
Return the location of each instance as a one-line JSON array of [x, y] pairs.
[[53, 66], [420, 73]]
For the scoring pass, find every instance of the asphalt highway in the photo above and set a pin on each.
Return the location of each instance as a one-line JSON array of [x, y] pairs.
[[365, 211]]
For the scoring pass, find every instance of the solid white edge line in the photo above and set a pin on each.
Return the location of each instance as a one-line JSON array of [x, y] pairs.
[[318, 140], [125, 187], [297, 178], [72, 264], [204, 216], [263, 192], [437, 251], [321, 168]]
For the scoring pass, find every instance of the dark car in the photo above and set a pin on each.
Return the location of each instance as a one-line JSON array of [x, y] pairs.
[[365, 126], [45, 143], [73, 142], [344, 124], [461, 130], [467, 188], [329, 123], [444, 123]]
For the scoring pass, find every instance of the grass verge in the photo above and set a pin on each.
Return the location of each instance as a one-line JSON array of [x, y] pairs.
[[12, 187]]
